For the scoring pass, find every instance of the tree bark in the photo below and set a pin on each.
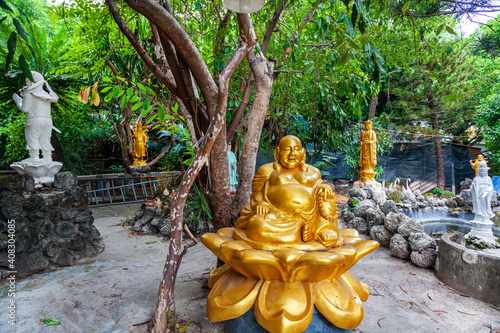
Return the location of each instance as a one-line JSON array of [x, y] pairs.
[[263, 73], [437, 140], [373, 106]]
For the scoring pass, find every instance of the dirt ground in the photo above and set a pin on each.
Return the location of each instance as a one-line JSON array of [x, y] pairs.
[[116, 291]]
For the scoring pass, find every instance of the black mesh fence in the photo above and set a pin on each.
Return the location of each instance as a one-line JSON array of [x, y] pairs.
[[416, 163]]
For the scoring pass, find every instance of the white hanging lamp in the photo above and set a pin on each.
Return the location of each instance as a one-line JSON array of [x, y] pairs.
[[244, 6]]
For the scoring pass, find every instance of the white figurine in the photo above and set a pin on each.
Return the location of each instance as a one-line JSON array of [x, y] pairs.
[[482, 192], [36, 101]]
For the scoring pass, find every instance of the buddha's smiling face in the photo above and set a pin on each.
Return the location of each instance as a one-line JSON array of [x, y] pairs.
[[290, 153]]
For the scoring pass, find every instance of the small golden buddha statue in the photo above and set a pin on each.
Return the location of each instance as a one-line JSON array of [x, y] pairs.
[[140, 153], [475, 165], [290, 203], [368, 154]]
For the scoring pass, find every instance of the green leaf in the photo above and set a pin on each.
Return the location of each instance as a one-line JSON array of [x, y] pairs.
[[197, 5], [141, 86], [3, 19], [439, 29], [345, 57], [450, 30], [4, 5], [116, 91], [150, 119], [23, 64], [108, 98], [150, 91], [11, 46], [124, 101], [136, 106], [175, 107], [129, 92], [145, 106], [349, 26], [449, 49], [134, 99], [107, 79], [49, 321], [406, 6], [161, 112], [19, 29], [354, 15], [103, 90], [341, 17]]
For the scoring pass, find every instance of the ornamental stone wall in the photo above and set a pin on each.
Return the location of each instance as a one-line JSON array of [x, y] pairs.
[[53, 226]]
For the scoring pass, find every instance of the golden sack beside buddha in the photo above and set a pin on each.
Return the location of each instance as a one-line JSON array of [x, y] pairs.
[[286, 254]]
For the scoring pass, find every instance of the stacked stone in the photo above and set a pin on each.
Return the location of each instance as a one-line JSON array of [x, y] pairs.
[[150, 220], [384, 223], [53, 226]]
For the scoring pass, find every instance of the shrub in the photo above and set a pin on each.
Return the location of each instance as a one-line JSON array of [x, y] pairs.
[[394, 196]]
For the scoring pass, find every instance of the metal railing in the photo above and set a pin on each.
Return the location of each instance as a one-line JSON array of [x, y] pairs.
[[116, 189]]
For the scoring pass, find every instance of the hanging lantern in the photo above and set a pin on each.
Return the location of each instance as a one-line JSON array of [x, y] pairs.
[[244, 6]]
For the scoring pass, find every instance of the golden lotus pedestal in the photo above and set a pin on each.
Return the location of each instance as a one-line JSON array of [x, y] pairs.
[[285, 282]]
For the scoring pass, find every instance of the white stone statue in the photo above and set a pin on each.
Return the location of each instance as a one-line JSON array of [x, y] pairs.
[[482, 192], [35, 101]]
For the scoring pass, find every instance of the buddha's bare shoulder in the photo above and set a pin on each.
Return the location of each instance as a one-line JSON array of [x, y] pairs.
[[265, 170]]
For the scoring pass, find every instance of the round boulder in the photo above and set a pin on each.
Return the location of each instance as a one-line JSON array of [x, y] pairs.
[[381, 235], [425, 258], [410, 226], [393, 220], [400, 248], [421, 241], [389, 206]]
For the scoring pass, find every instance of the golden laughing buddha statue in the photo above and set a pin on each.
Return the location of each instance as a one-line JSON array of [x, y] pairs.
[[286, 256], [290, 203]]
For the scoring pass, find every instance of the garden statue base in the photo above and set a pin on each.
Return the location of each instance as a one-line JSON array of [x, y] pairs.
[[42, 172], [248, 323], [482, 229], [52, 227], [376, 187]]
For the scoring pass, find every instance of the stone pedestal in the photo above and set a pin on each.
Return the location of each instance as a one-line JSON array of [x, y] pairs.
[[247, 323], [42, 172], [482, 229], [53, 227], [376, 187]]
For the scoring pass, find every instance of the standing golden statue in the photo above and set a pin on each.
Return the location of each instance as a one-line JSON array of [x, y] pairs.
[[286, 255], [368, 154], [140, 153], [475, 165]]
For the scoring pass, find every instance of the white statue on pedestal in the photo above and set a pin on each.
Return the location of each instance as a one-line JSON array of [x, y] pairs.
[[482, 192], [35, 101]]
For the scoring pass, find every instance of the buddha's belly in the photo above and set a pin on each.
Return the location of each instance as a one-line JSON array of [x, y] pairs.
[[291, 197]]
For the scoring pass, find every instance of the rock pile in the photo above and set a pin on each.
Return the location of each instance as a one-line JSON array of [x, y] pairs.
[[404, 236], [53, 226]]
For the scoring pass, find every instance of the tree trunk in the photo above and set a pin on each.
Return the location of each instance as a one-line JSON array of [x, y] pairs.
[[373, 106], [437, 140], [219, 175], [263, 73]]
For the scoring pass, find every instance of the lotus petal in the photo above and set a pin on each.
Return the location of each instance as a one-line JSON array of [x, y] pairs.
[[228, 232], [216, 274], [284, 307], [260, 265], [213, 242], [316, 266], [362, 289], [349, 235], [232, 296], [362, 249], [288, 257], [228, 249], [338, 303]]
